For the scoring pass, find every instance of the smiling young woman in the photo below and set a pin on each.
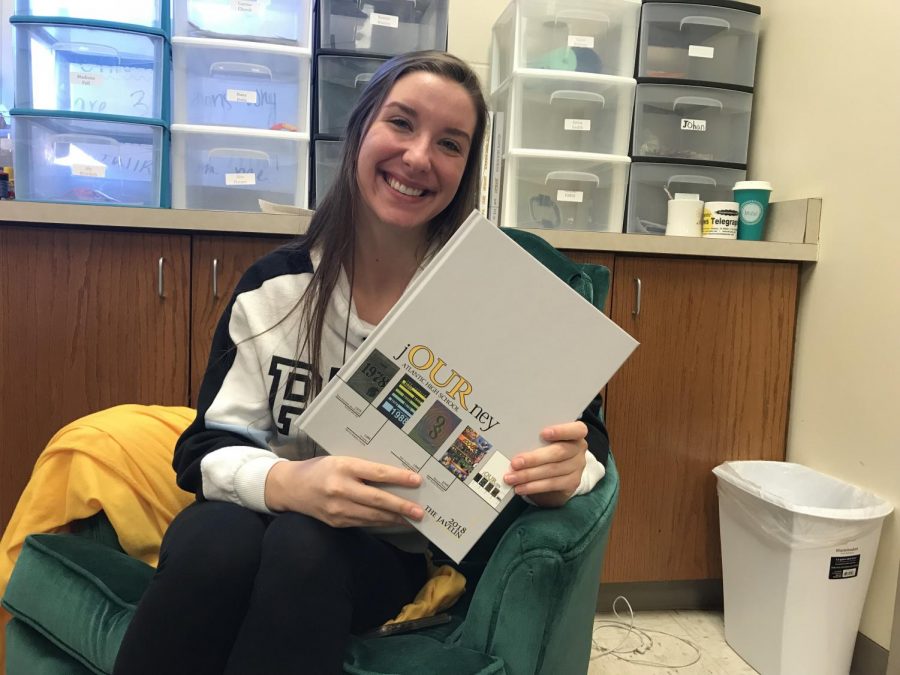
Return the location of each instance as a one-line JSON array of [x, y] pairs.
[[287, 551]]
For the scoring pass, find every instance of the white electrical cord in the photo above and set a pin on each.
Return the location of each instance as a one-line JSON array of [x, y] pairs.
[[645, 641]]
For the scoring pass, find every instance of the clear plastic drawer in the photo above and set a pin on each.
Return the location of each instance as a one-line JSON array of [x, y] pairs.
[[340, 81], [573, 191], [240, 84], [72, 159], [651, 183], [588, 36], [569, 113], [704, 124], [327, 163], [287, 22], [227, 169], [385, 27], [150, 13], [702, 42], [91, 69]]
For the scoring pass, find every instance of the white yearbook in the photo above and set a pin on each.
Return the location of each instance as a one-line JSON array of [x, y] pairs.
[[483, 350]]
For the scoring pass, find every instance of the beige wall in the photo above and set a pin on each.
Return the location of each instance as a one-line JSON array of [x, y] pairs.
[[470, 31], [825, 124]]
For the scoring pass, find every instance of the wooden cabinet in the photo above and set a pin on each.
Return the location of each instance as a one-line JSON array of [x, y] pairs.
[[709, 382], [217, 263], [85, 323], [91, 318]]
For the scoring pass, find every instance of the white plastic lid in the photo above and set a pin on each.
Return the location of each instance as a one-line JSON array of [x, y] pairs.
[[753, 185]]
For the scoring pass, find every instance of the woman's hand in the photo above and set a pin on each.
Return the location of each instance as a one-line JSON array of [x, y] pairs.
[[549, 475], [338, 491]]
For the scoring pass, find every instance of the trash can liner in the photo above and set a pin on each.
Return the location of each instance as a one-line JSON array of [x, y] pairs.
[[812, 510]]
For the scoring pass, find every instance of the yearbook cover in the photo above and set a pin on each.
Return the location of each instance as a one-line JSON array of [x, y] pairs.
[[484, 349]]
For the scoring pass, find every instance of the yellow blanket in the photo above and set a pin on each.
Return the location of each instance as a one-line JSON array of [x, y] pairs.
[[119, 461]]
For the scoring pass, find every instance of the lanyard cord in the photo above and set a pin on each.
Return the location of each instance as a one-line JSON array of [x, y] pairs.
[[349, 303]]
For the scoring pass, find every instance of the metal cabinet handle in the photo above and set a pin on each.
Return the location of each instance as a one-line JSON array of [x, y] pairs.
[[637, 298], [160, 281], [215, 277]]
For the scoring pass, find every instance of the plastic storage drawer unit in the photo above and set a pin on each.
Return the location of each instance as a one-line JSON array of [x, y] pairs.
[[340, 81], [90, 68], [287, 22], [150, 13], [649, 181], [712, 41], [227, 169], [386, 27], [588, 36], [68, 158], [704, 124], [568, 112], [327, 162], [240, 84], [564, 191]]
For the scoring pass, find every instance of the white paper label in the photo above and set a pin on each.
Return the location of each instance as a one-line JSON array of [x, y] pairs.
[[386, 20], [85, 79], [240, 179], [240, 96], [569, 196], [581, 41], [701, 52], [577, 125], [244, 6], [693, 125], [89, 170]]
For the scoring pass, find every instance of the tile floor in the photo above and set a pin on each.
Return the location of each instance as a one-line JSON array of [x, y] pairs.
[[702, 644]]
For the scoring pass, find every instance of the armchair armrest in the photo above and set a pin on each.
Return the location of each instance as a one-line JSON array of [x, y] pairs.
[[538, 594]]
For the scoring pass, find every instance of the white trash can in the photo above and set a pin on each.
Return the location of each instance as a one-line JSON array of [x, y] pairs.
[[798, 549]]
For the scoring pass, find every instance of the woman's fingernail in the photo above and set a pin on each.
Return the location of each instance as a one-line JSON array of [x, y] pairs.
[[414, 479], [416, 513]]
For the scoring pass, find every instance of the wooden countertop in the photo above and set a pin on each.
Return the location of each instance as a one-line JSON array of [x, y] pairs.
[[795, 221]]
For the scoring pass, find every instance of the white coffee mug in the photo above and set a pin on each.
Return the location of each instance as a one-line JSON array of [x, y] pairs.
[[684, 217]]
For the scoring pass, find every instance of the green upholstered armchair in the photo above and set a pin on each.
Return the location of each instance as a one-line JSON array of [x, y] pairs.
[[529, 605]]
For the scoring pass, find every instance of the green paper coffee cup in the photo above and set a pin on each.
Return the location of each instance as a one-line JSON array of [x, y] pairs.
[[752, 197]]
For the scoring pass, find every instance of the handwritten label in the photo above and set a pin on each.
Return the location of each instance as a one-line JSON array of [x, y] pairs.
[[386, 20], [701, 52], [241, 96], [119, 90], [89, 170], [577, 125], [240, 179], [581, 41], [244, 6], [569, 196], [85, 79], [693, 125]]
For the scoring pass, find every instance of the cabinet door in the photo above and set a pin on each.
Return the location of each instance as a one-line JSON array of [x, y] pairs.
[[217, 263], [83, 327], [709, 382]]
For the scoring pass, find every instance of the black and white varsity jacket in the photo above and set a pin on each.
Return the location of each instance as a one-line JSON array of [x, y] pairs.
[[257, 385]]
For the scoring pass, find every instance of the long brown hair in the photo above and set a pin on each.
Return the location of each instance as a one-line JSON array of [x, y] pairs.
[[333, 225]]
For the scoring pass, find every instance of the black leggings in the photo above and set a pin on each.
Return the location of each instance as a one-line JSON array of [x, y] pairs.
[[241, 592]]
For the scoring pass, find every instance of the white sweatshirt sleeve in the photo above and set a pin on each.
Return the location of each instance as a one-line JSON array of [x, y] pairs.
[[238, 474]]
